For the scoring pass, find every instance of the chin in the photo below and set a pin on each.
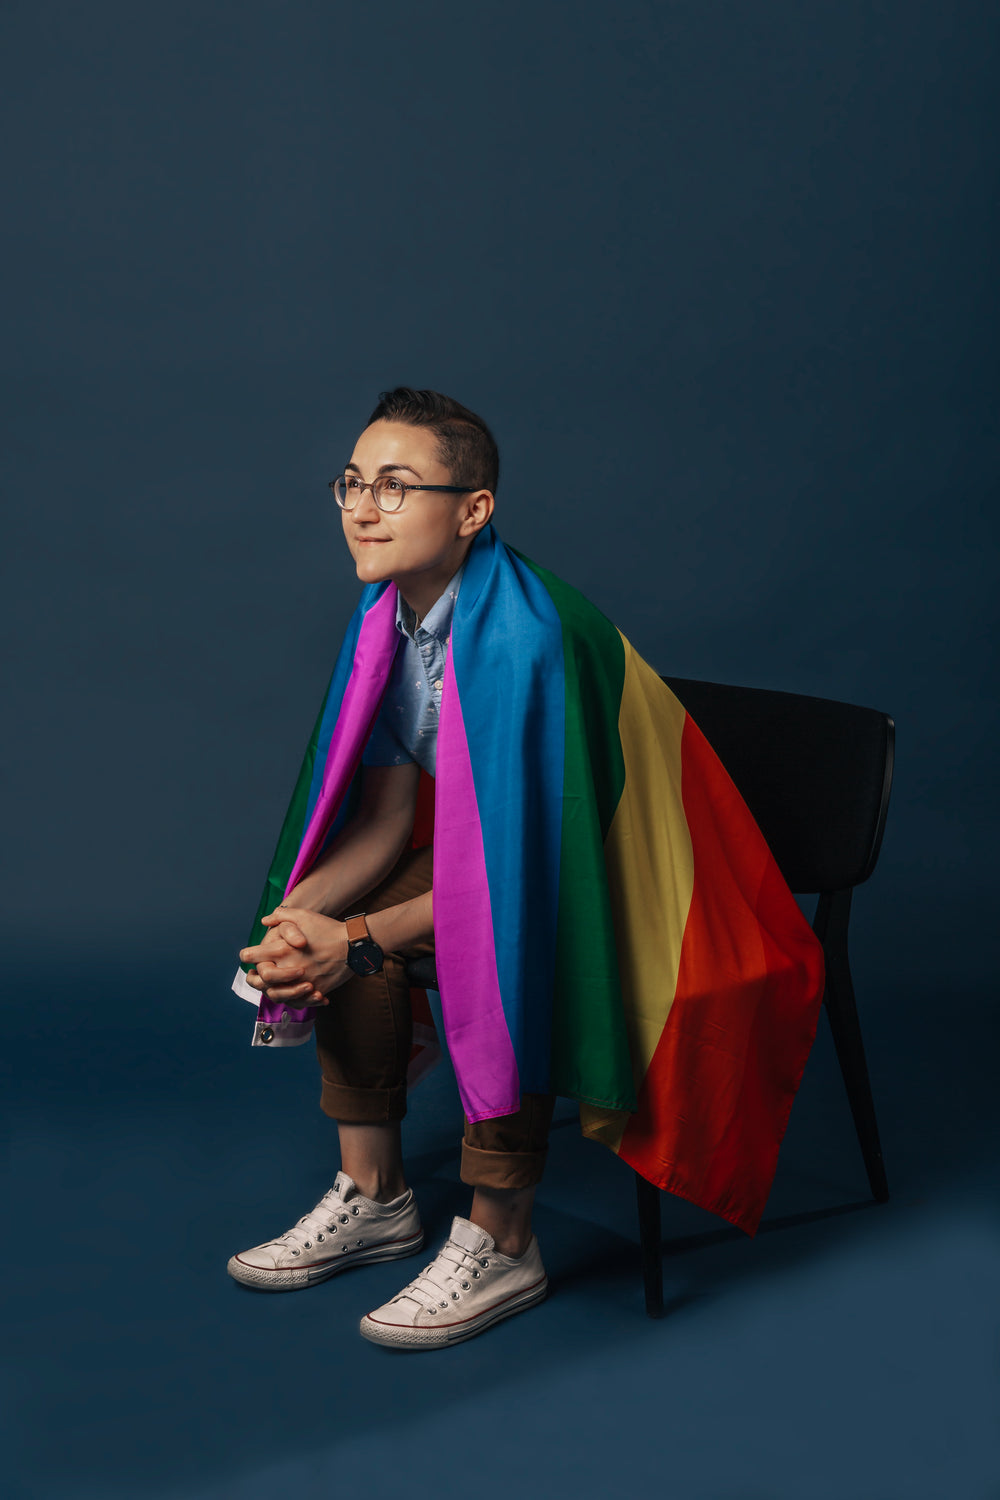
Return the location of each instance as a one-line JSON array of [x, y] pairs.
[[371, 569]]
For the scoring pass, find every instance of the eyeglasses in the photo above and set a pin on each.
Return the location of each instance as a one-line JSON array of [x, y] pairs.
[[387, 491]]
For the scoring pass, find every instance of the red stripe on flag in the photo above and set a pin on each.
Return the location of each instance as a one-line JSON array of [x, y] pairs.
[[716, 1097]]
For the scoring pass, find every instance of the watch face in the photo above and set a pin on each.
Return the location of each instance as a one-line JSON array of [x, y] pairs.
[[364, 957]]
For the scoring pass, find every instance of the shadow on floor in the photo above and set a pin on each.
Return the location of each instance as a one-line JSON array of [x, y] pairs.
[[146, 1151]]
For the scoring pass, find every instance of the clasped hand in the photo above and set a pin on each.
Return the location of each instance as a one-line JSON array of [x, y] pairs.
[[302, 958]]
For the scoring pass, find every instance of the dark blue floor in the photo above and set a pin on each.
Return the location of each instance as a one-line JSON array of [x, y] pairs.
[[847, 1353]]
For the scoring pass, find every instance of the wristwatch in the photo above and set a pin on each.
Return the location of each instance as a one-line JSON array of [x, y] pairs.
[[364, 955]]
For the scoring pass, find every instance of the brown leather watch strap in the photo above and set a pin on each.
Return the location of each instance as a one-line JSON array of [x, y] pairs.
[[357, 927]]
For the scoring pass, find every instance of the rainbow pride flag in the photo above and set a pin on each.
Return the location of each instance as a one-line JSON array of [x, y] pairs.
[[609, 924]]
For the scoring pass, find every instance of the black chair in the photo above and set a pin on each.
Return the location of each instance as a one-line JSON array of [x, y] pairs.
[[816, 776]]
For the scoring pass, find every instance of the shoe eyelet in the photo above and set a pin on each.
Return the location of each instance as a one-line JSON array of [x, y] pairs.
[[355, 1211], [432, 1310], [343, 1218], [475, 1273], [320, 1238], [296, 1252], [359, 1244], [307, 1244], [465, 1286], [455, 1296], [444, 1304], [484, 1262]]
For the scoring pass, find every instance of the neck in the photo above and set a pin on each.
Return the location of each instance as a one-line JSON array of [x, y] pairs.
[[422, 590]]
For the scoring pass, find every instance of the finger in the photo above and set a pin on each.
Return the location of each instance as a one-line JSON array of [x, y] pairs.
[[280, 914], [288, 932], [272, 946], [290, 993], [275, 942], [281, 973], [284, 929], [275, 949]]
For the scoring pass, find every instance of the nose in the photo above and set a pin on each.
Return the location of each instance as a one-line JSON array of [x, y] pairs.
[[366, 509]]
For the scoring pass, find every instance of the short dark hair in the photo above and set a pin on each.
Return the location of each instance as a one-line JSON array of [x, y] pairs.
[[466, 445]]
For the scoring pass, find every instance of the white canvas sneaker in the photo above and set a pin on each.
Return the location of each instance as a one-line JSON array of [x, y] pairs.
[[344, 1229], [469, 1287]]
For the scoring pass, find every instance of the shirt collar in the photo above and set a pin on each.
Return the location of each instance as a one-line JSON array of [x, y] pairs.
[[437, 621]]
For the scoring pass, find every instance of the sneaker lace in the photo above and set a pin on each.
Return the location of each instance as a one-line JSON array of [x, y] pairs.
[[328, 1217], [446, 1277]]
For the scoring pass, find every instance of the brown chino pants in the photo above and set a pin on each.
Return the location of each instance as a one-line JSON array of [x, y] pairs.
[[364, 1036]]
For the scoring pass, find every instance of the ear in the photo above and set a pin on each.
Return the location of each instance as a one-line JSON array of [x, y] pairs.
[[478, 510]]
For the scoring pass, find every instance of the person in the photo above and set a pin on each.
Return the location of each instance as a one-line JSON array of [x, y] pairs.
[[573, 797], [363, 1024]]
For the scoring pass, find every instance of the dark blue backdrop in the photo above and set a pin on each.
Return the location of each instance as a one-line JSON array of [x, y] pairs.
[[722, 279]]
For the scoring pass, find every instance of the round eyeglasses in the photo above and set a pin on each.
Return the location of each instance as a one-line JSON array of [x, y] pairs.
[[387, 491]]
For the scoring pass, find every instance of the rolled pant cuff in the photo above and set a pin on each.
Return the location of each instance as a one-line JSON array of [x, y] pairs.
[[362, 1106], [501, 1169]]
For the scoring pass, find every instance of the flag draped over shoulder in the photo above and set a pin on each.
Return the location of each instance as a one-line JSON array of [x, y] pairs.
[[609, 924]]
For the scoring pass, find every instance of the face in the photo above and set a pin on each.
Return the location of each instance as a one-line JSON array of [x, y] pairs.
[[422, 545]]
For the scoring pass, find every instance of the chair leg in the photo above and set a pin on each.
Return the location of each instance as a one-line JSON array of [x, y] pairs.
[[651, 1240], [832, 916]]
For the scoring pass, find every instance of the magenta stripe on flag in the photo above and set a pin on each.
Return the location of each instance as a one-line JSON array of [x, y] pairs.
[[377, 642], [476, 1028]]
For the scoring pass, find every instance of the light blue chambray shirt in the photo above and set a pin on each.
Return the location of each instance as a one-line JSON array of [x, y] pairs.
[[407, 724]]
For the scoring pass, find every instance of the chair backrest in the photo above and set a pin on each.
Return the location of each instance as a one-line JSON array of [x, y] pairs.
[[815, 774]]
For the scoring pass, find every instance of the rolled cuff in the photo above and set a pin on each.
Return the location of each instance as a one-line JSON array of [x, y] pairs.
[[357, 1106], [501, 1169]]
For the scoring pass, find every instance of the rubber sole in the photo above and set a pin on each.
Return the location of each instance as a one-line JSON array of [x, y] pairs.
[[263, 1279], [399, 1337]]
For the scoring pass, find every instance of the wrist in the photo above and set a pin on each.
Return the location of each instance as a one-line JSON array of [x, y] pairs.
[[397, 929], [335, 935], [305, 895], [364, 955]]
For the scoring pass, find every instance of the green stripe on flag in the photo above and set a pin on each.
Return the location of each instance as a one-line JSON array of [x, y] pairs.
[[290, 837], [590, 1051]]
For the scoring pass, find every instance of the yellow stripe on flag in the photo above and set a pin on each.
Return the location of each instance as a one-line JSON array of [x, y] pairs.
[[650, 873]]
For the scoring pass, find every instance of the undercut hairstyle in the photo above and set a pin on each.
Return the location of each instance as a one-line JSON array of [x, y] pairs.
[[465, 443]]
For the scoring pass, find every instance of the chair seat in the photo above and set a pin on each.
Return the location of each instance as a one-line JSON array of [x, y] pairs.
[[422, 972]]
